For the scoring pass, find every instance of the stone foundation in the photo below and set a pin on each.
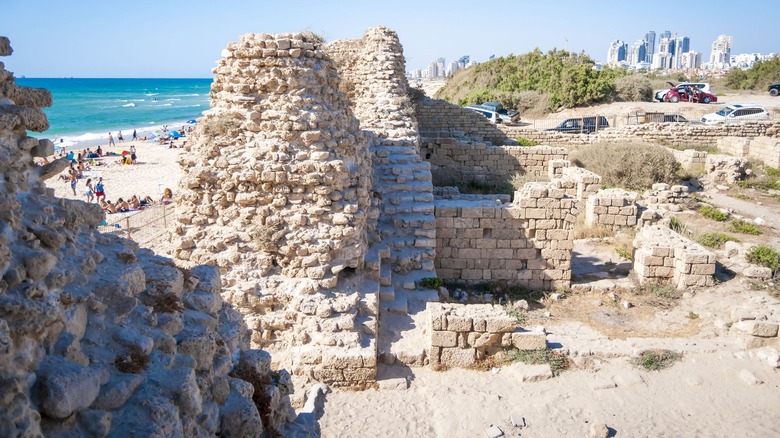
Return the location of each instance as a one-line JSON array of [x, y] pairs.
[[765, 149], [662, 193], [663, 256], [724, 169], [577, 182], [441, 119], [460, 335], [614, 208], [528, 242]]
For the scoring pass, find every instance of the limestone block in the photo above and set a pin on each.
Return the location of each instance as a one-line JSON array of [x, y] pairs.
[[66, 387], [458, 357], [529, 340], [443, 339], [459, 323]]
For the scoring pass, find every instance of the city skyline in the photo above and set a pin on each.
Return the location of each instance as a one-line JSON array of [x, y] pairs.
[[86, 38]]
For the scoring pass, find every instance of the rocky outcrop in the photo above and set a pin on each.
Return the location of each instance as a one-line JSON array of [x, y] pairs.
[[99, 337]]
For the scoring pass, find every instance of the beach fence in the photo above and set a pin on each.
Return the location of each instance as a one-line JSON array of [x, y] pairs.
[[142, 226]]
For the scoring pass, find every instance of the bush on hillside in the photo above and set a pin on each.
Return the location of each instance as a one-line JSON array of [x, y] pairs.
[[634, 88], [568, 80], [631, 166], [759, 76]]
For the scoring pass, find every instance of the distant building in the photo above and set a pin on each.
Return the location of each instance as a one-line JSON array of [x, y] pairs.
[[453, 67], [662, 61], [649, 46], [433, 69], [690, 60], [617, 52], [463, 61], [720, 57], [637, 52]]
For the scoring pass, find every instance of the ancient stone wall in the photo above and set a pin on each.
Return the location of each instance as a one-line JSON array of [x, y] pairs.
[[441, 119], [690, 158], [614, 208], [276, 192], [662, 193], [528, 242], [101, 338], [577, 182], [663, 256], [764, 149], [460, 335], [453, 161], [677, 134]]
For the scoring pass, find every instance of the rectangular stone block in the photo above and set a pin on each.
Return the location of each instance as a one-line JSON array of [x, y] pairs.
[[529, 340], [500, 324], [458, 357], [443, 339], [459, 323]]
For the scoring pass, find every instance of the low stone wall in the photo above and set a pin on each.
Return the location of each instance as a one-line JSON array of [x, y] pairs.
[[677, 134], [441, 119], [690, 158], [725, 169], [454, 161], [528, 242], [579, 183], [661, 255], [613, 208], [764, 149], [662, 193], [462, 334]]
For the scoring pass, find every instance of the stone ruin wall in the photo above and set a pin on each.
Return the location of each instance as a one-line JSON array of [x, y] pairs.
[[677, 134], [441, 119], [280, 201], [612, 208], [528, 242], [454, 162], [99, 337], [764, 149], [663, 256]]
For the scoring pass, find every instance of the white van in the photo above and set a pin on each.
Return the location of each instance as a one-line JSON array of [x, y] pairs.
[[735, 113]]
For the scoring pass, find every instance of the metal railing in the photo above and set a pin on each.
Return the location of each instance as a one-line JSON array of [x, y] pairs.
[[141, 226]]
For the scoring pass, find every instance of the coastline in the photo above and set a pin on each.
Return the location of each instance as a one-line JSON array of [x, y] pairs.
[[92, 139]]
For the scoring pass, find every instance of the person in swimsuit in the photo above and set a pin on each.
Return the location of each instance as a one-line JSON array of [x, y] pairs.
[[90, 192]]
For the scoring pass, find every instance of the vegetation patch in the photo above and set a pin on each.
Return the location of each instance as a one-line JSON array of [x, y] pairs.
[[744, 227], [764, 255], [480, 188], [662, 290], [654, 360], [558, 362], [518, 180], [713, 213], [629, 165], [626, 254], [522, 141], [716, 240], [432, 283], [677, 225], [759, 76]]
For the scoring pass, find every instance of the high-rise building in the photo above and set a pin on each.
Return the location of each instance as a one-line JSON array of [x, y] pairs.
[[665, 34], [649, 46], [682, 44], [617, 52], [463, 61], [690, 60], [661, 61], [721, 52], [666, 45], [453, 67], [637, 53], [433, 69]]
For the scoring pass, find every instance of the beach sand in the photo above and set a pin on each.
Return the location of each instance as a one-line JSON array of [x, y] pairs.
[[155, 170]]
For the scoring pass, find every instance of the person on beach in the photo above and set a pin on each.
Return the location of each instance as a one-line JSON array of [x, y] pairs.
[[99, 151], [132, 154], [99, 190], [167, 196], [111, 140], [135, 135], [119, 136], [90, 192], [122, 206], [108, 206], [73, 175]]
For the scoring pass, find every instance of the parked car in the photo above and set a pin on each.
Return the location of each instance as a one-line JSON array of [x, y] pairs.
[[736, 112], [506, 116], [774, 89], [581, 125], [688, 93], [491, 115], [675, 118], [701, 86]]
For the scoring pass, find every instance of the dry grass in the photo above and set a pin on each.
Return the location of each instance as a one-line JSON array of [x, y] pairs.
[[518, 180], [633, 166], [584, 231]]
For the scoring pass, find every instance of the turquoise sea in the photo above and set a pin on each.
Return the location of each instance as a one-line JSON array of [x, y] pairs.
[[85, 110]]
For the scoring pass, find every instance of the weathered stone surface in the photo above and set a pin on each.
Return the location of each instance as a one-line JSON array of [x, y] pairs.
[[66, 386]]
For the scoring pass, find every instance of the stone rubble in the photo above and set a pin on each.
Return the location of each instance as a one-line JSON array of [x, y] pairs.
[[101, 338]]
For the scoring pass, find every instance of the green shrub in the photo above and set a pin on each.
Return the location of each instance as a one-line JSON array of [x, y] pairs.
[[716, 240], [713, 213], [676, 225], [557, 361], [759, 76], [771, 171], [764, 255], [622, 252], [654, 360], [522, 141], [432, 283], [744, 227], [631, 166], [634, 88]]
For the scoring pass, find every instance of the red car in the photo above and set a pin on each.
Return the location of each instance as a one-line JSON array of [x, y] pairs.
[[686, 93]]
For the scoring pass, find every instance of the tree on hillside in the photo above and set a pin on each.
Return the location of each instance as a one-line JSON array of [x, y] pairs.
[[759, 76]]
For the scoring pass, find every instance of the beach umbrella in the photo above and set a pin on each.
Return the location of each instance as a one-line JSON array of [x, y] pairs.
[[152, 137], [193, 121]]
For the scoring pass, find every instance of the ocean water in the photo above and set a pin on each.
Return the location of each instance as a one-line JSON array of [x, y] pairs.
[[85, 110]]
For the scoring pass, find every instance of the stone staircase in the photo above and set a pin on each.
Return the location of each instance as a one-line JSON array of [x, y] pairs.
[[406, 228]]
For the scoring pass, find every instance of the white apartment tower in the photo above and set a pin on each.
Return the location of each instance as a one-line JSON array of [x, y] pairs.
[[721, 51]]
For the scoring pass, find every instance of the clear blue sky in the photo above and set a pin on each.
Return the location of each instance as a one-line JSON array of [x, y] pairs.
[[172, 38]]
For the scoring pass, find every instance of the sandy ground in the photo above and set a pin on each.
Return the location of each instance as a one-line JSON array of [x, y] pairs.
[[702, 395]]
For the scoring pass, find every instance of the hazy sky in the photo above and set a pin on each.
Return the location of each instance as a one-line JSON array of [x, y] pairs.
[[173, 38]]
